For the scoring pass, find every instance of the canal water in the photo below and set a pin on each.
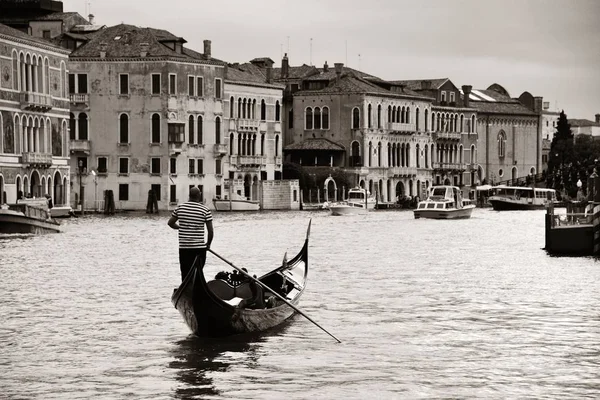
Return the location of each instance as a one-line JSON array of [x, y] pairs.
[[424, 309]]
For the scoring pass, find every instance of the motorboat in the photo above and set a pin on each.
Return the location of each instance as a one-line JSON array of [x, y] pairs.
[[444, 202], [506, 198], [27, 217], [359, 201]]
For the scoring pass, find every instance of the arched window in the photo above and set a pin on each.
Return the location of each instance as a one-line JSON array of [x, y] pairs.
[[417, 119], [433, 122], [276, 145], [15, 71], [501, 144], [379, 116], [191, 133], [473, 127], [46, 76], [473, 155], [371, 149], [325, 117], [217, 130], [200, 130], [124, 128], [231, 142], [277, 111], [425, 117], [83, 126], [317, 118], [407, 115], [417, 156], [244, 108], [155, 128], [369, 116], [231, 107], [291, 118], [356, 118], [262, 144], [63, 80], [263, 111], [239, 113], [308, 113], [72, 129], [389, 114], [462, 123]]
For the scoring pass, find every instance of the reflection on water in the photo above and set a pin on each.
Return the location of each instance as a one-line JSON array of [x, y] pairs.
[[425, 309]]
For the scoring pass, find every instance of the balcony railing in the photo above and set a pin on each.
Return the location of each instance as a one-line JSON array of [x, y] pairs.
[[37, 158], [450, 166], [35, 101], [83, 146], [401, 127], [79, 98], [248, 160], [403, 171], [220, 150], [447, 135], [278, 160]]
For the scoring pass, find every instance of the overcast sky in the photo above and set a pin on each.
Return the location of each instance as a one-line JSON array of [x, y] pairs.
[[550, 48]]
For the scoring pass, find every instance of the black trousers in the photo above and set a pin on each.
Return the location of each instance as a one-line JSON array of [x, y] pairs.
[[187, 258]]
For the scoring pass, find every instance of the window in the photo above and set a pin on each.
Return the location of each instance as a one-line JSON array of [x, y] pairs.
[[191, 84], [218, 88], [200, 86], [172, 84], [155, 83], [155, 128], [379, 116], [173, 194], [191, 136], [123, 165], [325, 117], [317, 118], [123, 192], [309, 118], [443, 96], [155, 166], [369, 116], [72, 129], [417, 119], [425, 119], [123, 84], [276, 145], [291, 118], [263, 111], [46, 34], [176, 133], [277, 111], [218, 167], [124, 129], [83, 126], [500, 173], [501, 144], [217, 130], [200, 130], [102, 165], [451, 97], [200, 166], [218, 191], [173, 165], [356, 118], [156, 189], [201, 187], [192, 166], [72, 86]]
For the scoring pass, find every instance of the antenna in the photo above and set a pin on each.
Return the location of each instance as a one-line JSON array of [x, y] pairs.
[[359, 61], [311, 51], [346, 52]]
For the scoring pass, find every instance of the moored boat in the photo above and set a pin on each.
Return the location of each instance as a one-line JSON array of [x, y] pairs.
[[229, 305], [444, 202], [26, 218], [506, 198], [358, 202], [61, 211]]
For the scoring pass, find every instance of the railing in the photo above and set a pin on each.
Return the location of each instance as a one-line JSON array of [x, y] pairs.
[[248, 160], [37, 158], [80, 146], [175, 148], [447, 135], [403, 171], [36, 101], [401, 127], [240, 124], [79, 98], [454, 166]]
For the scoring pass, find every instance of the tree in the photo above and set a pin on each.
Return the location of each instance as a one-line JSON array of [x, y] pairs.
[[561, 157]]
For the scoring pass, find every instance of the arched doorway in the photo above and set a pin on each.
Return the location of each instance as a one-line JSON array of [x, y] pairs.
[[35, 184], [330, 189], [361, 184], [255, 188], [58, 198], [19, 188], [247, 186], [400, 191], [514, 174], [49, 187]]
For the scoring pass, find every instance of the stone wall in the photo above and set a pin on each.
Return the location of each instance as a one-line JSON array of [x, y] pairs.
[[280, 195]]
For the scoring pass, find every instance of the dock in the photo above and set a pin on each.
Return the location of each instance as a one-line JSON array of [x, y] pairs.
[[577, 232]]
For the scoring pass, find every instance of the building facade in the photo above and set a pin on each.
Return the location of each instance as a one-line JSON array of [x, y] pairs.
[[34, 112], [147, 118]]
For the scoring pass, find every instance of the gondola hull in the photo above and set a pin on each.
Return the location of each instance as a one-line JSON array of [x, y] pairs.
[[209, 315]]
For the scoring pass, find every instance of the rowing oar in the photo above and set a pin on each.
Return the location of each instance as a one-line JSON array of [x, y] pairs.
[[276, 294]]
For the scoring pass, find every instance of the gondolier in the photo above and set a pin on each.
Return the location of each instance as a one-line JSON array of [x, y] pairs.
[[191, 218]]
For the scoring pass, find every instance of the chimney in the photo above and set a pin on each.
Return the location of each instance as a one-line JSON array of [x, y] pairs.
[[269, 74], [537, 104], [91, 19], [425, 85], [546, 105], [284, 66], [207, 49], [103, 47], [325, 67], [339, 68], [466, 92], [144, 49], [597, 118]]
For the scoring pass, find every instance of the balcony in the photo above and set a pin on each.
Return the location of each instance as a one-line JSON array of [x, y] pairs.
[[447, 135], [400, 172], [80, 146], [248, 125], [248, 161], [37, 159], [402, 128], [35, 101], [277, 160], [220, 150], [450, 166], [79, 99]]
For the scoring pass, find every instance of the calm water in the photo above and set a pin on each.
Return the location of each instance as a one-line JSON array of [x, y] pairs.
[[425, 309]]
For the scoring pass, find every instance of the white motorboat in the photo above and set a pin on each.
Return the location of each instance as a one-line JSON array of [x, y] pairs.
[[444, 202], [359, 201]]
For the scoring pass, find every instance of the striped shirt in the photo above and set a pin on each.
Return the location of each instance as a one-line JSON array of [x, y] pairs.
[[192, 216]]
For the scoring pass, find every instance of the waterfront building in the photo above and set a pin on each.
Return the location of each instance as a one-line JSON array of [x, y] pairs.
[[34, 113], [146, 117], [253, 120], [510, 136], [586, 127]]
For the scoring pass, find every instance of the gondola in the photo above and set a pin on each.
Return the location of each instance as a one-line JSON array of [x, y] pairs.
[[228, 305]]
